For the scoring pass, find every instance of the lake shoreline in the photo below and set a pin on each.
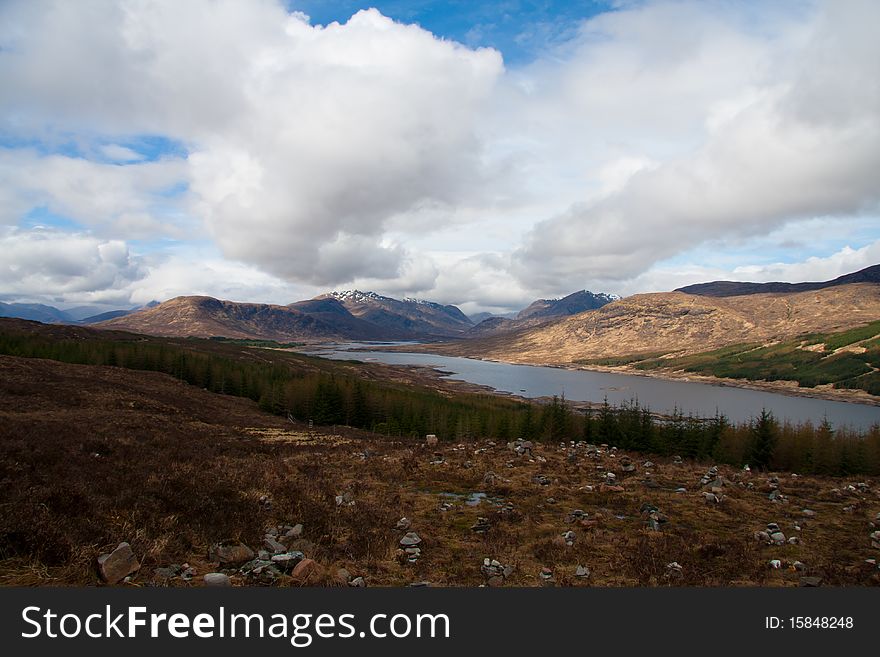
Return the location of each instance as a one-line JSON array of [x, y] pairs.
[[787, 388]]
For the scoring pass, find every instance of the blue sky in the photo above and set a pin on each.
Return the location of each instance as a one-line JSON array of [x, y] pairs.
[[477, 153], [519, 29]]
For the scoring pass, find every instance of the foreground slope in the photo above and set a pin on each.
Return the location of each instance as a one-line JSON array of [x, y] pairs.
[[92, 456]]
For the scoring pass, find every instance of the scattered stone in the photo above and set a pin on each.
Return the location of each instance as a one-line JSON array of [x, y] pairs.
[[808, 513], [541, 480], [676, 460], [674, 570], [410, 539], [778, 538], [775, 563], [287, 561], [307, 571], [231, 552], [799, 565], [875, 539], [430, 439], [403, 524], [273, 545], [118, 564], [491, 479], [494, 572], [810, 581], [358, 583], [346, 499], [582, 572], [569, 538], [217, 579], [481, 526], [647, 465], [343, 575], [546, 577], [443, 507], [265, 503], [294, 532]]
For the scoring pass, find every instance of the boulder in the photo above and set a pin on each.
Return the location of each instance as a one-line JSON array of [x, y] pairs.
[[217, 579], [307, 572], [118, 564]]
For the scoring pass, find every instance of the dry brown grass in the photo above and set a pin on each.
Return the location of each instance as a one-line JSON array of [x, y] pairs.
[[178, 468]]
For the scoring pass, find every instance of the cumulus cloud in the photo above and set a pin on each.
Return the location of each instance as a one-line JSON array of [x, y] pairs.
[[304, 140], [779, 147], [72, 267], [375, 154]]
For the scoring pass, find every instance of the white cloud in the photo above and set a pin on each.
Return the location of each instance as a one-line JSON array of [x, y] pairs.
[[375, 154], [76, 268], [775, 148]]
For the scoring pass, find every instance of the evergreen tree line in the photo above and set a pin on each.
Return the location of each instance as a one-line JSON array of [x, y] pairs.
[[335, 397]]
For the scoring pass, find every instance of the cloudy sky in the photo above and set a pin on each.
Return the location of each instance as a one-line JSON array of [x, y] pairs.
[[482, 154]]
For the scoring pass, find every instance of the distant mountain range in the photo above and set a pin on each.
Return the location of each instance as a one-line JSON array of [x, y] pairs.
[[736, 289], [581, 325], [39, 312], [347, 315]]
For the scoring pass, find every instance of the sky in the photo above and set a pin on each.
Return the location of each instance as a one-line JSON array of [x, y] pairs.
[[483, 154]]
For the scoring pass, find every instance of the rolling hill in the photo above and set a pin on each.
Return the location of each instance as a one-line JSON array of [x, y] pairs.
[[678, 323]]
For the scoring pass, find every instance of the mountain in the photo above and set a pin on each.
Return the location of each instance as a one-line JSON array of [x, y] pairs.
[[208, 317], [678, 323], [413, 317], [573, 304], [734, 288], [103, 317], [35, 311]]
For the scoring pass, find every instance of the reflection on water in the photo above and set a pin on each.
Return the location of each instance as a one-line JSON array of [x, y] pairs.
[[738, 404]]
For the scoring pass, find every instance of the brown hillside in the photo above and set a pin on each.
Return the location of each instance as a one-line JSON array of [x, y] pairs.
[[207, 317], [675, 322]]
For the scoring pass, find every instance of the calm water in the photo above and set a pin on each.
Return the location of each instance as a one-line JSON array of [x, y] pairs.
[[661, 396]]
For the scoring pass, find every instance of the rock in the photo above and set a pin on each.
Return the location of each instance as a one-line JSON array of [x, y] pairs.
[[116, 565], [403, 524], [676, 460], [430, 439], [775, 563], [810, 581], [285, 562], [778, 538], [217, 579], [799, 565], [230, 551], [343, 575], [481, 526], [273, 546], [307, 571], [808, 513], [582, 571], [674, 570], [410, 539], [541, 480], [358, 583], [294, 532], [568, 537]]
